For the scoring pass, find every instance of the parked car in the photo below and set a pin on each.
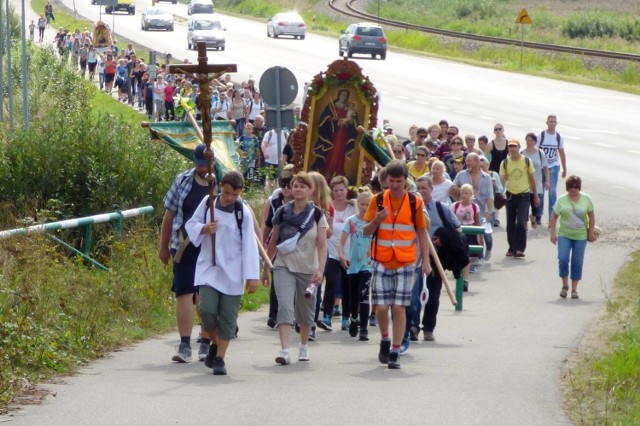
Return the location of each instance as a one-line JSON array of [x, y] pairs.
[[199, 6], [128, 6], [288, 23], [364, 38], [207, 28], [156, 17]]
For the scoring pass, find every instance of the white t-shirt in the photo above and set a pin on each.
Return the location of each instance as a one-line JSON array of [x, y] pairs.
[[441, 192], [339, 219], [270, 145], [550, 147]]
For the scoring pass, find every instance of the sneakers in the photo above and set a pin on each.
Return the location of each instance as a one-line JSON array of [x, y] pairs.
[[325, 323], [394, 363], [383, 355], [428, 336], [465, 285], [353, 327], [183, 353], [312, 334], [345, 324], [211, 355], [271, 323], [203, 351], [283, 358], [219, 368], [303, 353], [336, 311], [413, 333], [404, 346], [373, 322], [473, 269], [363, 335]]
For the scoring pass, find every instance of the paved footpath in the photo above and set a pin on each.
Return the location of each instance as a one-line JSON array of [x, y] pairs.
[[498, 362]]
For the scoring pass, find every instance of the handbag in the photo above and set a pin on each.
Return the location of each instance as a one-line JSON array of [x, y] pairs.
[[289, 245], [499, 200]]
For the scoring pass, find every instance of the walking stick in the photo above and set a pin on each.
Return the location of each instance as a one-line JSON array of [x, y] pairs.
[[436, 259]]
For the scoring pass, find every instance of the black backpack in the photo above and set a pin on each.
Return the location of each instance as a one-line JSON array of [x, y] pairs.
[[237, 212], [454, 248]]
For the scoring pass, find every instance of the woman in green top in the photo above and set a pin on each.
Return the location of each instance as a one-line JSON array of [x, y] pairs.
[[577, 222]]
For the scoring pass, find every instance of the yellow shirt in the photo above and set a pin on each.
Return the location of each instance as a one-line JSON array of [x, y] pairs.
[[517, 173], [413, 171]]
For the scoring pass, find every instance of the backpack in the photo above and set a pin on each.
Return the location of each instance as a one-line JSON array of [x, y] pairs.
[[456, 206], [526, 160], [237, 212], [454, 248], [379, 199]]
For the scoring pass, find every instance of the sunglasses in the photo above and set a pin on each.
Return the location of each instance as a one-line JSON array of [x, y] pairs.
[[395, 151], [497, 129], [421, 155], [574, 187], [451, 133], [422, 136], [456, 143], [285, 184]]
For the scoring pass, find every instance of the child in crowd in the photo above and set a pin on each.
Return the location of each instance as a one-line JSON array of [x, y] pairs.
[[221, 285], [358, 265], [468, 213]]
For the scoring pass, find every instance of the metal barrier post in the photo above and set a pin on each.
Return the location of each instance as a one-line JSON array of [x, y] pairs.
[[88, 233], [473, 249]]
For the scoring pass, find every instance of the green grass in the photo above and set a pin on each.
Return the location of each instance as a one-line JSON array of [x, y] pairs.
[[603, 383]]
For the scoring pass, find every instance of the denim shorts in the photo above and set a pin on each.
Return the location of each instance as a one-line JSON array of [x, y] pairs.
[[392, 286]]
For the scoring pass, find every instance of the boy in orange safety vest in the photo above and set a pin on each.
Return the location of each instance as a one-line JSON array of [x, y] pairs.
[[394, 253]]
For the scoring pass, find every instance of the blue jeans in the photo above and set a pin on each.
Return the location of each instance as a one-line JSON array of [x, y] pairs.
[[413, 310], [554, 172], [574, 249], [517, 218]]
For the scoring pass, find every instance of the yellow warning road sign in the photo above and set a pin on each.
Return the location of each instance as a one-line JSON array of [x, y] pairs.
[[523, 17]]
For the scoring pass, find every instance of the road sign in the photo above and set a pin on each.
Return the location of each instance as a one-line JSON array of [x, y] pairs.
[[278, 86], [523, 17]]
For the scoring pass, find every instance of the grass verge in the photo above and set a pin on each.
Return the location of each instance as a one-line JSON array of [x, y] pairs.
[[602, 380]]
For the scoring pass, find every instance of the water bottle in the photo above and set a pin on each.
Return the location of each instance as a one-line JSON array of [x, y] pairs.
[[310, 291]]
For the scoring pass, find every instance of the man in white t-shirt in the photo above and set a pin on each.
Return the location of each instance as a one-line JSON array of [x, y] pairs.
[[270, 147], [158, 96], [220, 108], [552, 144]]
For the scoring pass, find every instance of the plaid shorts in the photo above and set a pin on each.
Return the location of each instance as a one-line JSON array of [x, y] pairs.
[[392, 286]]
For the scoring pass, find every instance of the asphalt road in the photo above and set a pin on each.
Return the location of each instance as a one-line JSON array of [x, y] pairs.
[[497, 362]]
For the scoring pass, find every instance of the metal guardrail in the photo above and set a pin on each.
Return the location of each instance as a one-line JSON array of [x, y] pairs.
[[87, 223], [473, 249], [352, 11]]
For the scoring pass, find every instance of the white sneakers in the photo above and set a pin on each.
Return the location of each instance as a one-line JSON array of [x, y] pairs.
[[284, 357]]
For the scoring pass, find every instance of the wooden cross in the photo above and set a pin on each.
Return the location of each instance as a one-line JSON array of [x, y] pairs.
[[201, 73]]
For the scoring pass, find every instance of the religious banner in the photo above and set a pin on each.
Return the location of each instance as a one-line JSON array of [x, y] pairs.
[[341, 105]]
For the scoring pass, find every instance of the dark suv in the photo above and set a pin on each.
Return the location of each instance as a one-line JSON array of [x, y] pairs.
[[364, 38]]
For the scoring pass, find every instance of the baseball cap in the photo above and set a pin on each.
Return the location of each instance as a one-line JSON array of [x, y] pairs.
[[514, 142], [198, 156]]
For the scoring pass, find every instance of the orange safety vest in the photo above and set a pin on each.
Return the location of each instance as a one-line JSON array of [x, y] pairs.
[[396, 235]]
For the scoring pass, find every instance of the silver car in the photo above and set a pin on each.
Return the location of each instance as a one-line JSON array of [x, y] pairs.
[[364, 38], [288, 23], [205, 27], [156, 17], [200, 6]]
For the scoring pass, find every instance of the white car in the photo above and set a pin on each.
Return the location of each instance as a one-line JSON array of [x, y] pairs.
[[289, 23], [205, 27], [156, 17]]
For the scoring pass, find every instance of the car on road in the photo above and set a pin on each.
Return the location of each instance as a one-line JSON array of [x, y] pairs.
[[199, 6], [172, 1], [289, 23], [156, 17], [128, 6], [205, 27], [365, 37]]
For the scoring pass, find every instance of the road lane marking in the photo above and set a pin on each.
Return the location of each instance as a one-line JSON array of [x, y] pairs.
[[634, 152], [446, 108], [484, 117], [511, 123], [462, 112], [423, 103], [604, 145], [402, 97]]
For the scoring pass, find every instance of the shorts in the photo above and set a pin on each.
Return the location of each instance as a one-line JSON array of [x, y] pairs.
[[392, 286], [92, 66], [184, 272], [108, 77], [219, 312]]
